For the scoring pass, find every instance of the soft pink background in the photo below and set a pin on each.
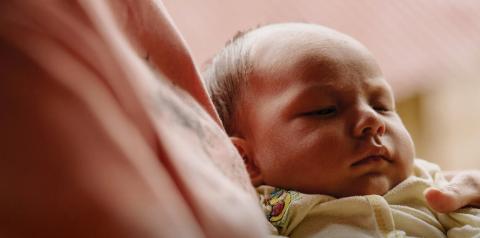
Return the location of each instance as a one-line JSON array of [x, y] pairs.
[[415, 41]]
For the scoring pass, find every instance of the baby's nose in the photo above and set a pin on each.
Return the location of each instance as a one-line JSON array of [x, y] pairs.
[[369, 123]]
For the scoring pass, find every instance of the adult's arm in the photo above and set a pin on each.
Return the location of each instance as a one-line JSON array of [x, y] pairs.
[[463, 189]]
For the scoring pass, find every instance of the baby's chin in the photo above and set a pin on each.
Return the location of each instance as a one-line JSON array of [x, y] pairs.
[[378, 184]]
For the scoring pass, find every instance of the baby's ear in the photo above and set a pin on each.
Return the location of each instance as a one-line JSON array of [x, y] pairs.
[[248, 158]]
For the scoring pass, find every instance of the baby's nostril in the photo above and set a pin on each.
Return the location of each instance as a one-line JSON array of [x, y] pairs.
[[377, 140], [366, 130]]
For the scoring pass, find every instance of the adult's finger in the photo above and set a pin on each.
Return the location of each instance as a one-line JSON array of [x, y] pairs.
[[462, 190]]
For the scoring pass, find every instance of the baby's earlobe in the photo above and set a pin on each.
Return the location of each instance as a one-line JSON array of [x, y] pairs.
[[241, 146], [247, 157], [244, 158]]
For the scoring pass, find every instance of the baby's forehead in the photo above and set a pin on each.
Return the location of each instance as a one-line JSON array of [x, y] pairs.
[[283, 54], [274, 46], [281, 39], [297, 34], [278, 52]]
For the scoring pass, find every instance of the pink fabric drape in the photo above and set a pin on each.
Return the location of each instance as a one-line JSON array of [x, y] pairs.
[[95, 142]]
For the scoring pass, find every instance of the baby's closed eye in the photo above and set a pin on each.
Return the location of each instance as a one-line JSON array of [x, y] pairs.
[[322, 112]]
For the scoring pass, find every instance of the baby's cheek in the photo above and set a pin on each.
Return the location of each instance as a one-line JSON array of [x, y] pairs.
[[402, 171], [403, 166]]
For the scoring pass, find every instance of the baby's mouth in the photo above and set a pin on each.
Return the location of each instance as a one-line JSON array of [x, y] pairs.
[[371, 160]]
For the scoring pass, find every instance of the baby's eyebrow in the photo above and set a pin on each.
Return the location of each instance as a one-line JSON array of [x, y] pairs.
[[310, 94], [314, 67], [382, 92], [324, 88]]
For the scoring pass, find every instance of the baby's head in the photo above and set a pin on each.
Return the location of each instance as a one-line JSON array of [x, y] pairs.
[[309, 110]]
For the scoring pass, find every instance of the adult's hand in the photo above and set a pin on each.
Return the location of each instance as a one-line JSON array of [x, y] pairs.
[[463, 189]]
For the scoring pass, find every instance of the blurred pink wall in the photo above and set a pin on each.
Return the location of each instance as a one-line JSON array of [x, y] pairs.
[[416, 42]]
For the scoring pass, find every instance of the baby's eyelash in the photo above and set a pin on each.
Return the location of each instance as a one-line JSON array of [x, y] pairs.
[[384, 108], [327, 111], [381, 108]]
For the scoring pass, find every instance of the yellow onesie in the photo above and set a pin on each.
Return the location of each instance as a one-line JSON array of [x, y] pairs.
[[401, 212]]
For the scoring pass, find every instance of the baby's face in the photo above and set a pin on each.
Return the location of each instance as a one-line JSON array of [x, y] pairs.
[[319, 117]]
